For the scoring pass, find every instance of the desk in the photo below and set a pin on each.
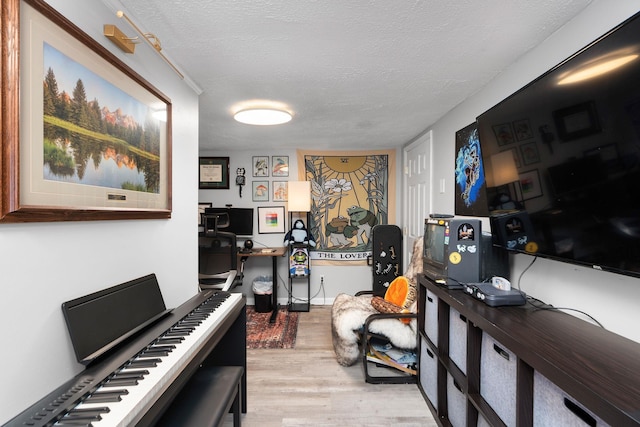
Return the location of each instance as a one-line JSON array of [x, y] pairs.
[[274, 254]]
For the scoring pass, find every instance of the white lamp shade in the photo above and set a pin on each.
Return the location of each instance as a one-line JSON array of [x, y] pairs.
[[504, 168], [299, 196]]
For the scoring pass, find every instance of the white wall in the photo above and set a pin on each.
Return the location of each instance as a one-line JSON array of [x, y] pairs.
[[612, 299], [45, 264], [337, 279]]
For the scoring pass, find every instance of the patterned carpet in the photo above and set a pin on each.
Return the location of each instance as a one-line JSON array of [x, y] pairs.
[[262, 334]]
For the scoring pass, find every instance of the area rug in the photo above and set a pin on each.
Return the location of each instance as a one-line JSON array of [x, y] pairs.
[[280, 334]]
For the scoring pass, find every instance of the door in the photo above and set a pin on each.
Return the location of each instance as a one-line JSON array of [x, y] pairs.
[[417, 190]]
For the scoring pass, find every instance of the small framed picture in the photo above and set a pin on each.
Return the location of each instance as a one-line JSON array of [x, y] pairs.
[[260, 191], [522, 129], [504, 134], [530, 185], [271, 219], [213, 173], [279, 166], [530, 153], [260, 165], [280, 191]]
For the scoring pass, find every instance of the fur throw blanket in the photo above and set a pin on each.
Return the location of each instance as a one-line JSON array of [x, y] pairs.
[[348, 315]]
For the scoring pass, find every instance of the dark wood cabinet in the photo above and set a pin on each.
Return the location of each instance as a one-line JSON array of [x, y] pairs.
[[521, 366]]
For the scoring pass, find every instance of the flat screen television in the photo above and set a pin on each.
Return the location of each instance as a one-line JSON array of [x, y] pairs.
[[240, 220], [574, 135]]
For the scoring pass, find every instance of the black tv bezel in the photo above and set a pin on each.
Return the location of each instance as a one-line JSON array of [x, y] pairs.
[[528, 86]]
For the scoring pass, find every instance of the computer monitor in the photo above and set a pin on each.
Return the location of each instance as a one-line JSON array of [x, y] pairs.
[[240, 220]]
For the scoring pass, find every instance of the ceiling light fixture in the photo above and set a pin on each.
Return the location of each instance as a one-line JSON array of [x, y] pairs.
[[597, 69], [262, 116]]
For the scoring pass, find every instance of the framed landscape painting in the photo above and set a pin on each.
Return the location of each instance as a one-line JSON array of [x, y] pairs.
[[94, 140]]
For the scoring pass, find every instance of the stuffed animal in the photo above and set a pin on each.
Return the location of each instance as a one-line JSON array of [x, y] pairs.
[[299, 234]]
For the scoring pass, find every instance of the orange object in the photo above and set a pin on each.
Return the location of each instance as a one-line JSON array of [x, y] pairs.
[[401, 292]]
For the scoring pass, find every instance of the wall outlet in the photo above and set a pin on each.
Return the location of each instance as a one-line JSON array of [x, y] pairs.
[[322, 279]]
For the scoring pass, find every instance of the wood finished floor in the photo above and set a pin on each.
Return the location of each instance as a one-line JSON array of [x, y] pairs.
[[305, 386]]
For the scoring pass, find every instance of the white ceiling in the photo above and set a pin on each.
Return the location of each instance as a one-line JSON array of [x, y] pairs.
[[355, 73]]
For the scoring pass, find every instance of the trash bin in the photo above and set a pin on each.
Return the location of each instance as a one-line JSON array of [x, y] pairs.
[[262, 290]]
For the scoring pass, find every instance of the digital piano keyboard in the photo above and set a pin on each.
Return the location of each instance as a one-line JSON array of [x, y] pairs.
[[135, 383]]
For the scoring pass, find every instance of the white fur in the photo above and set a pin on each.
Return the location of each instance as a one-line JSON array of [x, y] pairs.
[[348, 315]]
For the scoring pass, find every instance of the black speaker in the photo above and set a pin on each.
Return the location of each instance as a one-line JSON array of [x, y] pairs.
[[386, 256], [465, 250]]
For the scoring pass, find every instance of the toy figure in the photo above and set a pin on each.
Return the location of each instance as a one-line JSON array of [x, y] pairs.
[[299, 234]]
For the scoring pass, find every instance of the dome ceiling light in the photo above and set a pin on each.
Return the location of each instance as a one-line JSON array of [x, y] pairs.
[[262, 116]]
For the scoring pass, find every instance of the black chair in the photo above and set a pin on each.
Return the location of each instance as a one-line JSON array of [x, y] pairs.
[[362, 330], [386, 262], [218, 256]]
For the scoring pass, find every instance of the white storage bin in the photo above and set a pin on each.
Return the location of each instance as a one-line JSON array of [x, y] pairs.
[[554, 407], [456, 403], [458, 339], [498, 375], [428, 372], [431, 317]]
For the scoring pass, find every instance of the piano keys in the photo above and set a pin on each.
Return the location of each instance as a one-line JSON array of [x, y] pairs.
[[134, 384]]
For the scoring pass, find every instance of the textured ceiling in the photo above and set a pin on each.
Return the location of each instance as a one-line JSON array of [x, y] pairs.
[[355, 73]]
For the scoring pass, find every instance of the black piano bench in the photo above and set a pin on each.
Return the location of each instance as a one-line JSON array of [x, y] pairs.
[[206, 399]]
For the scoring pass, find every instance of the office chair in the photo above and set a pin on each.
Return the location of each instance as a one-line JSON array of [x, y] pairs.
[[218, 255]]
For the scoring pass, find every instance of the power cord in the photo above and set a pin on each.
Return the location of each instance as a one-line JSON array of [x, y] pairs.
[[525, 270], [545, 306], [320, 289]]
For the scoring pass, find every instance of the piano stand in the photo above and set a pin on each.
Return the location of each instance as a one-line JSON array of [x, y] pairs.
[[206, 399]]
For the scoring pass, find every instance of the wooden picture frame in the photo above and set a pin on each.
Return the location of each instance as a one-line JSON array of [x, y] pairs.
[[47, 158], [271, 219], [213, 173]]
